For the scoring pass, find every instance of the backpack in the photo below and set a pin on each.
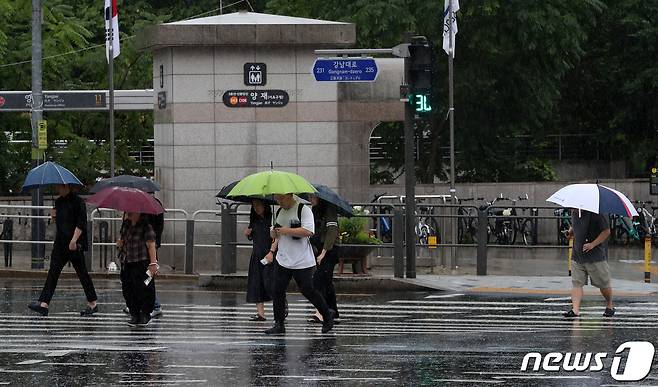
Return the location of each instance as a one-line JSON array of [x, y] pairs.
[[300, 206]]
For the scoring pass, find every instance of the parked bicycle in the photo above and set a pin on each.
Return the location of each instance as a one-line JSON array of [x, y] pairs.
[[427, 225], [467, 224], [526, 227], [563, 225], [623, 230], [503, 222], [382, 225], [646, 220]]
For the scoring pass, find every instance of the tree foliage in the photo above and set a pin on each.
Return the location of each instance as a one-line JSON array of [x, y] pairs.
[[524, 70]]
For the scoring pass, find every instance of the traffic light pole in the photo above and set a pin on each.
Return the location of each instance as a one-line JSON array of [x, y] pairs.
[[451, 112], [409, 178]]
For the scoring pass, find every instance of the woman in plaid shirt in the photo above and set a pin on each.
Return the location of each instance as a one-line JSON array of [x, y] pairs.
[[138, 256]]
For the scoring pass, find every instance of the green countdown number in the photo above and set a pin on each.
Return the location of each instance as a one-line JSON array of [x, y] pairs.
[[420, 103]]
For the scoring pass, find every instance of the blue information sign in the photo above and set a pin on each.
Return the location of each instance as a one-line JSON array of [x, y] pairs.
[[345, 70]]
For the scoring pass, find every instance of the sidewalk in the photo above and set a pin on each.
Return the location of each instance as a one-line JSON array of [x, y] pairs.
[[548, 285]]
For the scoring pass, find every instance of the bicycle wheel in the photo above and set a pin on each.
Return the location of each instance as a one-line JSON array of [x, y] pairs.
[[508, 234], [461, 230], [526, 232]]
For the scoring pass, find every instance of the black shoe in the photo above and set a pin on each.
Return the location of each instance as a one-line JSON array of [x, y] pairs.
[[88, 312], [328, 323], [278, 329], [570, 314], [609, 312], [257, 317], [144, 320], [133, 321], [126, 310], [36, 307]]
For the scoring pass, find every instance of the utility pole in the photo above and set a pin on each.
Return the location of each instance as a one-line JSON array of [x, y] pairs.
[[36, 111]]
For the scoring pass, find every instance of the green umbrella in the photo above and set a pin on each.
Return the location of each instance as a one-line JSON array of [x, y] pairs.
[[271, 183]]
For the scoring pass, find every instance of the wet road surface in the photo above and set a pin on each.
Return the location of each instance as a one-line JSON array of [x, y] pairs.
[[204, 338]]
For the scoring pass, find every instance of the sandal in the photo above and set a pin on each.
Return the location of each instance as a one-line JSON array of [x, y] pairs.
[[257, 317], [570, 314], [609, 312]]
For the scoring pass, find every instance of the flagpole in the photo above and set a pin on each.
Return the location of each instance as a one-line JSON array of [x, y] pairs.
[[111, 96], [451, 111]]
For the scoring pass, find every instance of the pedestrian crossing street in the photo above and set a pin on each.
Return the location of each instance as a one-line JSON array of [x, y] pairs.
[[194, 341]]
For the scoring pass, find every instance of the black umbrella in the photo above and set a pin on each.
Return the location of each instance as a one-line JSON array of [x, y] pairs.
[[141, 183], [243, 199], [343, 207]]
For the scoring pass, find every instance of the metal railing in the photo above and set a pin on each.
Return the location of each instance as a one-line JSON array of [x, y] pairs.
[[386, 221]]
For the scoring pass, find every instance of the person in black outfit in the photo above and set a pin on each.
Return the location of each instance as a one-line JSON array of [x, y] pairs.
[[326, 252], [259, 287], [139, 266], [70, 214]]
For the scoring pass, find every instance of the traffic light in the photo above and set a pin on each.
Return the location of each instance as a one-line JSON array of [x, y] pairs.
[[420, 75]]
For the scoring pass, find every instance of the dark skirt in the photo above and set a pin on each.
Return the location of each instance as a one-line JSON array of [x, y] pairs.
[[259, 282]]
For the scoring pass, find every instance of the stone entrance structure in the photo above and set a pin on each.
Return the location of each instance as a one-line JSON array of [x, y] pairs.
[[203, 141]]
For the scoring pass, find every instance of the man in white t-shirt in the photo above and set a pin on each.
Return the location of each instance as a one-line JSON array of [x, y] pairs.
[[293, 225]]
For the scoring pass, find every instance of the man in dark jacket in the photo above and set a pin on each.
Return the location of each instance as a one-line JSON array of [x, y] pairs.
[[70, 214]]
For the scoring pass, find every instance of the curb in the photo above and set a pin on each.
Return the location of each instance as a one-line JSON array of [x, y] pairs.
[[238, 282]]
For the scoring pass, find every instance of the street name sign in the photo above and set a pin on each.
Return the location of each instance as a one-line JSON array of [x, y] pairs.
[[345, 70]]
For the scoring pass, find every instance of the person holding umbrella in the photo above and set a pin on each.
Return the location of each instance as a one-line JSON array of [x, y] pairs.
[[326, 206], [70, 215], [139, 265], [138, 256], [293, 226], [590, 230], [155, 220]]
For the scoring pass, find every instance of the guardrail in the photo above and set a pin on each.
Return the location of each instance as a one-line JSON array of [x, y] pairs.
[[387, 222]]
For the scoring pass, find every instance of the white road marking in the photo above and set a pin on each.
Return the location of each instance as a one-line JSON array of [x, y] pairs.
[[2, 370], [200, 366], [163, 381], [146, 373], [30, 362], [557, 299], [542, 377], [356, 370], [478, 381], [58, 353], [76, 364], [324, 378], [478, 303], [498, 373]]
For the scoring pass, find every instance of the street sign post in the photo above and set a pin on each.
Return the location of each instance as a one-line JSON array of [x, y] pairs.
[[345, 70]]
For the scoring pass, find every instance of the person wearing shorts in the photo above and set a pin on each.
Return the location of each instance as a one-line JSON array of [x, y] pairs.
[[590, 259]]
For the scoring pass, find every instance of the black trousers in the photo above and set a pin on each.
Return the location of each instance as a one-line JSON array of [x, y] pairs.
[[59, 258], [139, 298], [304, 280], [323, 279]]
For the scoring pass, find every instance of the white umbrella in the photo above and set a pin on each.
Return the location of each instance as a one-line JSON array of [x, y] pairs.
[[594, 198]]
